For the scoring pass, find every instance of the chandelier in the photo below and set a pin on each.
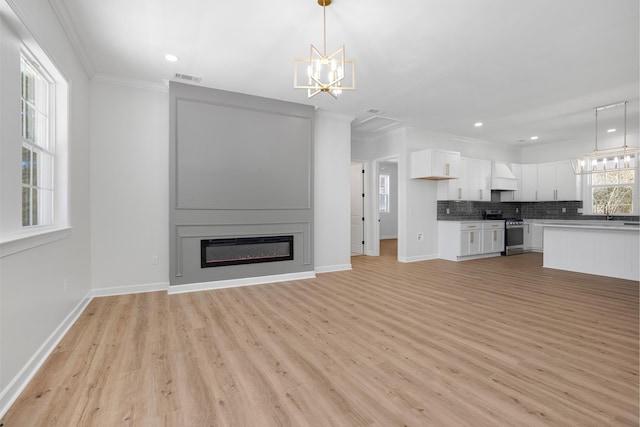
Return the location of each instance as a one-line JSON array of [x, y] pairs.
[[622, 158], [322, 72]]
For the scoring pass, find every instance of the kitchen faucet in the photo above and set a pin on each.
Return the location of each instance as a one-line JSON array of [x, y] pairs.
[[606, 212]]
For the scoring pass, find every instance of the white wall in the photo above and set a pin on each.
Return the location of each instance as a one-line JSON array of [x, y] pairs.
[[34, 304], [129, 183], [332, 195]]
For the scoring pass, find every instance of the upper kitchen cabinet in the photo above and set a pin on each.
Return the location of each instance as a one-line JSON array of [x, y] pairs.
[[556, 181], [529, 182], [479, 179], [548, 182], [435, 164], [474, 182]]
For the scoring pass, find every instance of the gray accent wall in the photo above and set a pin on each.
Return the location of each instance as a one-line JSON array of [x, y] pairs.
[[239, 166]]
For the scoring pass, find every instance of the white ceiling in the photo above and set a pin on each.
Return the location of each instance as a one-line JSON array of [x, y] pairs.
[[523, 68]]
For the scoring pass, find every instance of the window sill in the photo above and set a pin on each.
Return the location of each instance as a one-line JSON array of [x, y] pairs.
[[15, 243]]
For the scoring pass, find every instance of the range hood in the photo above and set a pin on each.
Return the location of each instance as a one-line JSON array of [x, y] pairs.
[[502, 178]]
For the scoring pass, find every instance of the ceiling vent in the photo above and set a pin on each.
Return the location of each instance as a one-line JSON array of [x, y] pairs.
[[188, 78]]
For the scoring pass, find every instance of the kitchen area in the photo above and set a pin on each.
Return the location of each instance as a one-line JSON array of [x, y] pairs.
[[487, 209]]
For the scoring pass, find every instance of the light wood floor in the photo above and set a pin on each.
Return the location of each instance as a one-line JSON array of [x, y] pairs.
[[494, 342]]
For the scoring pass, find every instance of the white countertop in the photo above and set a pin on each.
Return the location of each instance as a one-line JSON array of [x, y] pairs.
[[594, 225]]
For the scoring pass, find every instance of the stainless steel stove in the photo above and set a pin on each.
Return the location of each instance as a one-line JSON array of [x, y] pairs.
[[514, 236]]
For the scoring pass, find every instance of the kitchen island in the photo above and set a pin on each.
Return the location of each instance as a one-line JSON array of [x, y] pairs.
[[610, 248]]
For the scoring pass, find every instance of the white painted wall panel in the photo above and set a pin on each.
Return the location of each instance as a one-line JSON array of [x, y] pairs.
[[129, 185], [332, 196]]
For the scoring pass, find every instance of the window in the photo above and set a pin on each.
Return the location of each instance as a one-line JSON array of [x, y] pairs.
[[38, 149], [612, 192], [383, 194]]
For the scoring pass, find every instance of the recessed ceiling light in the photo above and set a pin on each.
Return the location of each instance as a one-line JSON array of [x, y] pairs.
[[533, 138], [611, 130], [478, 124], [171, 58]]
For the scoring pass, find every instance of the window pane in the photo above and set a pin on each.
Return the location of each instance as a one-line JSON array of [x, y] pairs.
[[45, 170], [612, 200], [34, 168], [598, 178], [26, 204], [45, 216], [28, 83], [29, 117], [26, 166], [34, 207]]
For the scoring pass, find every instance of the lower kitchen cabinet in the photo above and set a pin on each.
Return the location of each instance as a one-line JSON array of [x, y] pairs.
[[459, 240], [533, 235], [492, 237]]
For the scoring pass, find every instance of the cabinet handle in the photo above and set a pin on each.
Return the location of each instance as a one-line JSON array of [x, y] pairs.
[[446, 169], [480, 194], [495, 236], [471, 237], [536, 194], [459, 193], [555, 194]]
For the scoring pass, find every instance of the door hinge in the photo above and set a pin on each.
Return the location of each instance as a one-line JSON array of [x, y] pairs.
[[362, 170], [362, 194], [363, 242], [363, 218]]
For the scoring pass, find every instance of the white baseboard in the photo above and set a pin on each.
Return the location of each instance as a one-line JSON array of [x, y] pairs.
[[333, 268], [11, 392], [418, 258], [131, 289], [233, 283]]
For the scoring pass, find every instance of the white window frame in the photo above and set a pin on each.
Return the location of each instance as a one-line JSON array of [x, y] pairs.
[[43, 147], [588, 195], [14, 237]]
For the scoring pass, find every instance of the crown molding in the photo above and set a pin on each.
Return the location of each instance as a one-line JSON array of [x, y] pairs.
[[70, 30], [127, 82]]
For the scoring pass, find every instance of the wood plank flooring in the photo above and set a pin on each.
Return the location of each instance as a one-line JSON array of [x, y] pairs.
[[492, 342]]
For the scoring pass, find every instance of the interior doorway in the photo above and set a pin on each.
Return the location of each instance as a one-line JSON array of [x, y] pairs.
[[387, 206]]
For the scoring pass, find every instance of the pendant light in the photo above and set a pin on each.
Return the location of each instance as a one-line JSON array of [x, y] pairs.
[[622, 158], [322, 72]]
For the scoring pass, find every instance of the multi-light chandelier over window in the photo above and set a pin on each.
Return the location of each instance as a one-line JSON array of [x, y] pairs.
[[322, 72], [622, 158]]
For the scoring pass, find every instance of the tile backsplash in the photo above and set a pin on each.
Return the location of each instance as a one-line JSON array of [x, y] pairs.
[[471, 210], [460, 210]]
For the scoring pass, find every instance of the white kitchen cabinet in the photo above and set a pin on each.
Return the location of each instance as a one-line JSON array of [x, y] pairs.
[[474, 182], [478, 180], [553, 181], [529, 183], [435, 164], [470, 238], [459, 240], [514, 195], [533, 236], [492, 237], [567, 182]]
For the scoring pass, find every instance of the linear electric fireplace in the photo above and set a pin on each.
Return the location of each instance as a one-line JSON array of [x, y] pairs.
[[245, 250]]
